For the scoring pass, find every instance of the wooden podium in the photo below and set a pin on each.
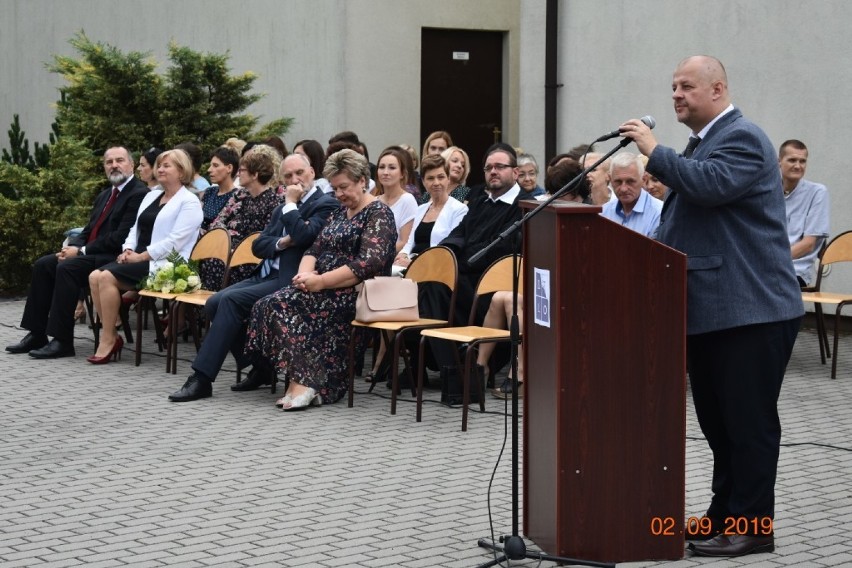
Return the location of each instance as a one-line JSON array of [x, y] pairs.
[[604, 428]]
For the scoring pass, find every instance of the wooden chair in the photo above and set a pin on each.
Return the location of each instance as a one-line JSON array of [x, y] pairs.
[[822, 335], [215, 243], [838, 250], [241, 256], [436, 265], [496, 278]]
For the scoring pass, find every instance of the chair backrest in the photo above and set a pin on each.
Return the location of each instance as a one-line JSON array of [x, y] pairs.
[[215, 243], [242, 255], [496, 278], [839, 249], [437, 264]]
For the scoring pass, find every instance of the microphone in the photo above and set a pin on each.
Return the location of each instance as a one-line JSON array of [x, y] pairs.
[[647, 120]]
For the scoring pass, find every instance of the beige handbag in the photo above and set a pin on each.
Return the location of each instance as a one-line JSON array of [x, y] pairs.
[[387, 298]]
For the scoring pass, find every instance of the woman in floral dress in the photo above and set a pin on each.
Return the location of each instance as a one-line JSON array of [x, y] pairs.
[[247, 211], [304, 329]]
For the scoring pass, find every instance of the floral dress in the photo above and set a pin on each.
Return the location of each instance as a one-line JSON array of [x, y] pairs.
[[241, 216], [306, 334]]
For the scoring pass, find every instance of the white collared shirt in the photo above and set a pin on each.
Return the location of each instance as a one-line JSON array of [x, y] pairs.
[[508, 197]]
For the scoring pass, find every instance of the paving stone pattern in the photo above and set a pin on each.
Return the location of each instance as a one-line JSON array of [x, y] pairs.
[[98, 469]]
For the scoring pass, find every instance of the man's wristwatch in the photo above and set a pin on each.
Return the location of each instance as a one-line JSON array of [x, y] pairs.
[[82, 250]]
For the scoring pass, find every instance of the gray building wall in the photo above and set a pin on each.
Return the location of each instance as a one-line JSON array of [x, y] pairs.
[[785, 61], [354, 64], [330, 64]]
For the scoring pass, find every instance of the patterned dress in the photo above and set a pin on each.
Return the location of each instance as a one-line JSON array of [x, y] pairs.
[[306, 334], [241, 216], [212, 203]]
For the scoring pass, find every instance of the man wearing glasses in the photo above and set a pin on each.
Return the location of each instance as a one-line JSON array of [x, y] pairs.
[[488, 215]]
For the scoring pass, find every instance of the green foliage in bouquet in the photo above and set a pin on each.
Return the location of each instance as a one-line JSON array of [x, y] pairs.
[[176, 276]]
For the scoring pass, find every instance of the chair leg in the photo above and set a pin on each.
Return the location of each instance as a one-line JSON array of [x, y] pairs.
[[173, 340], [90, 310], [836, 339], [421, 364], [822, 330], [140, 311], [407, 360], [394, 370], [351, 366], [466, 387], [819, 336], [124, 312]]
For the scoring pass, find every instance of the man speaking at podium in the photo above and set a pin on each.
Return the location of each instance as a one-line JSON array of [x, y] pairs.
[[744, 306]]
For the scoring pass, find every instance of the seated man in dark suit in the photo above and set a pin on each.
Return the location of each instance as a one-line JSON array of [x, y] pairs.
[[489, 214], [291, 230], [58, 278]]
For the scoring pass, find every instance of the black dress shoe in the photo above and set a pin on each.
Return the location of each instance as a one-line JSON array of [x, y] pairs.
[[194, 388], [256, 378], [54, 350], [733, 545], [28, 343]]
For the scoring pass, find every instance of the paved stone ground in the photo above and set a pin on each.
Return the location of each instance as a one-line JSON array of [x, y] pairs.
[[98, 469]]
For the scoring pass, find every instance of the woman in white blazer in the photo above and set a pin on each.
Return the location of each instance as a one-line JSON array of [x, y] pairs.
[[436, 218], [168, 219], [432, 222]]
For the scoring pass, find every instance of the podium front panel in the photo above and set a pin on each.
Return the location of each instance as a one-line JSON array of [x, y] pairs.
[[605, 403]]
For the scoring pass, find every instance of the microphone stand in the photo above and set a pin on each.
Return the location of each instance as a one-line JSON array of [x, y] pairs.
[[514, 547]]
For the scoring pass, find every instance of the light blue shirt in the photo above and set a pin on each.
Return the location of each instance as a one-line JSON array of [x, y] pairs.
[[807, 216], [644, 218]]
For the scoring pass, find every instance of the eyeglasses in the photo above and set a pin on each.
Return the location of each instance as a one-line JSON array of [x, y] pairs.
[[499, 167], [527, 175]]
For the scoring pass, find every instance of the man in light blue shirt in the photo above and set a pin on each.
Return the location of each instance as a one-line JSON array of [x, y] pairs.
[[634, 207], [807, 207]]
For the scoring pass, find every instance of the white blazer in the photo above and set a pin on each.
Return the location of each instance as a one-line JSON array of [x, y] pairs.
[[176, 227], [448, 219]]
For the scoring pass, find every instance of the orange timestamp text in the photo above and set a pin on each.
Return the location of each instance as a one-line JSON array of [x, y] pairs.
[[703, 526]]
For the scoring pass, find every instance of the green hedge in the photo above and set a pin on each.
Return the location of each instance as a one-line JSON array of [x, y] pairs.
[[46, 204]]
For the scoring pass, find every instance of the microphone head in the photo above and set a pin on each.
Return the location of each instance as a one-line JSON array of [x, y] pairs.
[[649, 121]]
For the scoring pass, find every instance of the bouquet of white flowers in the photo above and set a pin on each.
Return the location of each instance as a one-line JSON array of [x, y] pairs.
[[176, 276]]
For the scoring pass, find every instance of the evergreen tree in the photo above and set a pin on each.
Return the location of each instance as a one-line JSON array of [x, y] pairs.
[[19, 146], [113, 97]]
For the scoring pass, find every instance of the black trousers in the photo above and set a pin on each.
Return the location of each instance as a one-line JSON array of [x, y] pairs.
[[228, 311], [736, 377], [54, 291], [434, 302]]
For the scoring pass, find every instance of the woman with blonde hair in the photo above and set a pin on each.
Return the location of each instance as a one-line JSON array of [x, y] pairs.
[[436, 143], [459, 167], [168, 219], [304, 329]]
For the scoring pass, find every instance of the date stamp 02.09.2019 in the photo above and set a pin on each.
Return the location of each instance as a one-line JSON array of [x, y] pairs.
[[703, 526]]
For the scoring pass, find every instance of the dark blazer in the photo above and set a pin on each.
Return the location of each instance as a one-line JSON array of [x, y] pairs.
[[726, 212], [120, 219], [302, 225]]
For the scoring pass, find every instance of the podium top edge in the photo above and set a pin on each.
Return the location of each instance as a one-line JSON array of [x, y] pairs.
[[563, 207]]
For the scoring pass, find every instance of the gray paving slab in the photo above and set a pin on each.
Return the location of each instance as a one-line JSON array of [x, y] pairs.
[[97, 468]]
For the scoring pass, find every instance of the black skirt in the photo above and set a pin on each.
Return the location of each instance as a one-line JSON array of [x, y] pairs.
[[130, 274]]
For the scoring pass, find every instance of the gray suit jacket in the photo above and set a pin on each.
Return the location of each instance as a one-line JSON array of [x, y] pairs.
[[726, 212], [303, 225]]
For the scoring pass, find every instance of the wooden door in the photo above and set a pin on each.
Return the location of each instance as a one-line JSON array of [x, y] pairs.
[[461, 90]]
